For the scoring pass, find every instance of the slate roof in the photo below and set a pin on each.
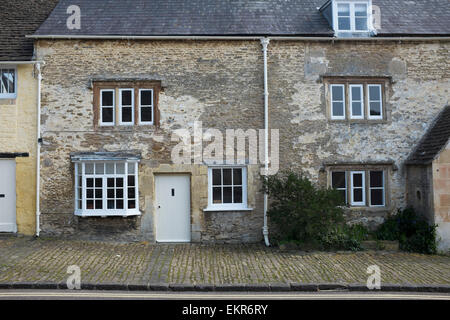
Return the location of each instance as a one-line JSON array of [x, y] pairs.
[[237, 18], [433, 141], [19, 18]]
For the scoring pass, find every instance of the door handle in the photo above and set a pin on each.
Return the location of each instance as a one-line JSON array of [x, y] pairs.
[[2, 195], [159, 207]]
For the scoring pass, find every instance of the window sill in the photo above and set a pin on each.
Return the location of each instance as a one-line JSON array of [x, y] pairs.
[[212, 209], [100, 213]]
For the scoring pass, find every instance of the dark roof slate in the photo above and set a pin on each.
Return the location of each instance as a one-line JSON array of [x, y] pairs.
[[19, 18], [237, 17], [433, 141]]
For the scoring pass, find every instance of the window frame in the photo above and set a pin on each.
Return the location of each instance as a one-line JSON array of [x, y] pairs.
[[107, 124], [350, 106], [352, 16], [227, 206], [9, 95], [83, 211], [332, 101], [363, 188], [380, 117], [383, 187], [121, 122], [146, 106]]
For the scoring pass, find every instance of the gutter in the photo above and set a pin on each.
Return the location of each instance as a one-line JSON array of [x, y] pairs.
[[21, 62], [38, 150], [265, 43], [275, 38]]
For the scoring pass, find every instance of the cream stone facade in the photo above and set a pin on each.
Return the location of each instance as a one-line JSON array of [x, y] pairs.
[[18, 120]]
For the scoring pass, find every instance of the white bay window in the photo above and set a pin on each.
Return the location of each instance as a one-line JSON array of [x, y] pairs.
[[106, 188]]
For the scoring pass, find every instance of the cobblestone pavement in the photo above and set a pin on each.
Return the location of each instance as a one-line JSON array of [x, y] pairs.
[[46, 260]]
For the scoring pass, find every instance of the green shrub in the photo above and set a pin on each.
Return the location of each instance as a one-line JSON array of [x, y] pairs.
[[304, 213], [411, 230]]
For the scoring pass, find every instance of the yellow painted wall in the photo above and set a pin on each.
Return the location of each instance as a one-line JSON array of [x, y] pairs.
[[18, 134]]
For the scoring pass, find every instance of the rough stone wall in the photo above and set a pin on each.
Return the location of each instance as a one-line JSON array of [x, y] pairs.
[[18, 134], [221, 84], [218, 83], [441, 189], [418, 92]]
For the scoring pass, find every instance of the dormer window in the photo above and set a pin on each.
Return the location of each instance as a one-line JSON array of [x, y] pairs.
[[349, 17]]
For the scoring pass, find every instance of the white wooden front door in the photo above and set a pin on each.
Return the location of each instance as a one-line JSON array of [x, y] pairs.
[[8, 196], [173, 208]]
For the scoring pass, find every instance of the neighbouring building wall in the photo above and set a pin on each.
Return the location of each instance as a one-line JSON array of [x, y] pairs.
[[18, 135], [441, 186], [221, 84], [416, 94]]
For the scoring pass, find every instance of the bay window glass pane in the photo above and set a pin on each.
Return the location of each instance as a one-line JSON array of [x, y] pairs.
[[338, 180], [119, 182], [131, 193], [109, 168], [89, 168], [99, 168], [131, 168], [376, 197], [110, 182], [89, 182], [376, 179], [90, 193], [131, 204], [131, 181], [227, 195], [119, 204], [120, 168], [98, 204]]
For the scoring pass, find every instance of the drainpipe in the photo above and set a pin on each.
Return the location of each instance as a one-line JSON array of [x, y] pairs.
[[265, 43], [38, 149]]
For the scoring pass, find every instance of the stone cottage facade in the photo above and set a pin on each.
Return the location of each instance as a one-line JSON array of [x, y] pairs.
[[350, 100]]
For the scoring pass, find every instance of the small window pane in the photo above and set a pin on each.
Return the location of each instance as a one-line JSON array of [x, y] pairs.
[[237, 176], [110, 193], [131, 167], [360, 10], [98, 204], [107, 115], [374, 93], [217, 177], [131, 181], [226, 177], [98, 182], [126, 97], [127, 114], [343, 23], [357, 195], [146, 97], [376, 179], [361, 24], [119, 182], [375, 109], [110, 168], [89, 182], [146, 114], [119, 193], [131, 193], [111, 204], [99, 168], [337, 93], [356, 109], [217, 195], [376, 197], [338, 109], [120, 168], [343, 10], [227, 195], [89, 168], [131, 204], [356, 93], [237, 194], [110, 182], [7, 81], [338, 180], [90, 204], [119, 204], [357, 180], [90, 193], [107, 98], [98, 193]]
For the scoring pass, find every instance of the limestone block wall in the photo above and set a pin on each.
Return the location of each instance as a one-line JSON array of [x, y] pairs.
[[221, 84], [18, 135], [441, 188]]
